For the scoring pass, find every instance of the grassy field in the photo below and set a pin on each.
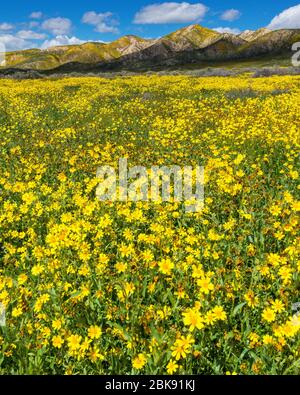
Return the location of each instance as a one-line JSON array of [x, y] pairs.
[[94, 287]]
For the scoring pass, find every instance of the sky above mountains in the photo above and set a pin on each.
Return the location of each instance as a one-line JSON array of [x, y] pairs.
[[36, 24]]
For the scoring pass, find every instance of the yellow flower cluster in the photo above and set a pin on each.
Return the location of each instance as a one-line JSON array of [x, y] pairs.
[[145, 287]]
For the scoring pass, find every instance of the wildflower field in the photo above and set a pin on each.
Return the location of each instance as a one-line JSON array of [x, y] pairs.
[[94, 287]]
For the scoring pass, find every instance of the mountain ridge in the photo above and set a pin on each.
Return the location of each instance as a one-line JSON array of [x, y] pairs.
[[190, 44]]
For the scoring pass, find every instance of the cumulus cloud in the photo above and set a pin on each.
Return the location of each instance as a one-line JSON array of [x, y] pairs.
[[170, 13], [103, 22], [14, 43], [231, 15], [30, 35], [6, 26], [36, 15], [227, 30], [287, 19], [57, 26], [61, 40]]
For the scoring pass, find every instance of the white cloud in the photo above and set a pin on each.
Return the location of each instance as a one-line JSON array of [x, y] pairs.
[[13, 43], [103, 22], [61, 40], [227, 30], [33, 24], [36, 15], [57, 26], [231, 15], [30, 35], [170, 13], [287, 19], [6, 26]]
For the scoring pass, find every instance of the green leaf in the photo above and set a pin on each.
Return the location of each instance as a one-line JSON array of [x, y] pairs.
[[238, 308]]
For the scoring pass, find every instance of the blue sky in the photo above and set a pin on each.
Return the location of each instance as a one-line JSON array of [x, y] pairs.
[[42, 24]]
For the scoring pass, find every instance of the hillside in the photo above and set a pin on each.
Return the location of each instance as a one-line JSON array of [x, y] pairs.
[[192, 37], [187, 46], [251, 35], [90, 52], [224, 47]]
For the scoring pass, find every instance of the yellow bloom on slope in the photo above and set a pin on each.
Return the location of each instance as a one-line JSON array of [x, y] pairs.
[[166, 266], [74, 342], [57, 341], [56, 324], [94, 332], [267, 339], [205, 285], [95, 355], [278, 306], [139, 361], [219, 313], [172, 366], [251, 299], [296, 206], [28, 197], [269, 315], [121, 267], [210, 317], [182, 347], [16, 312], [275, 210], [193, 319]]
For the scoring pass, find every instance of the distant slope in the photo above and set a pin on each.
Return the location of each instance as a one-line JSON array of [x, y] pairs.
[[251, 35], [191, 37], [273, 43], [90, 52], [188, 46], [225, 48]]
